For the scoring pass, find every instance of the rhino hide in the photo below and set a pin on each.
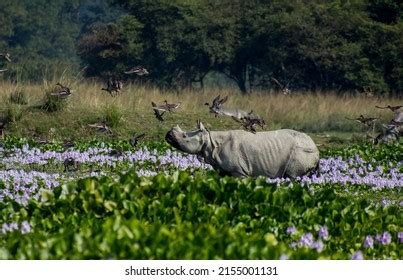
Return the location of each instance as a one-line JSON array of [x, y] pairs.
[[274, 154]]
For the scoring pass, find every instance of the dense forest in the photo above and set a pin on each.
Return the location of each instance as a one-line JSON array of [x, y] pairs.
[[341, 45]]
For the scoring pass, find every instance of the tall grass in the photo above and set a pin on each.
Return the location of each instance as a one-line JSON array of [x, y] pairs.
[[313, 112]]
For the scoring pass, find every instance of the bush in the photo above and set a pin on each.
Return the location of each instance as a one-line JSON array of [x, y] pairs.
[[53, 103], [112, 115], [13, 113], [18, 97]]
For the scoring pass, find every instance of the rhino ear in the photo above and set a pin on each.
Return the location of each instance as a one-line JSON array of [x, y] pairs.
[[200, 126]]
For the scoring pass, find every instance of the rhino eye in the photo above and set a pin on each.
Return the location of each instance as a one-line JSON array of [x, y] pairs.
[[184, 135]]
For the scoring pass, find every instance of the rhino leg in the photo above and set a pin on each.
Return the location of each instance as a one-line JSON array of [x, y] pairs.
[[302, 161], [315, 170], [223, 173], [235, 173]]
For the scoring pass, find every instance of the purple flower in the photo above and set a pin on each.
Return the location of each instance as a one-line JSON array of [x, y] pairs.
[[25, 227], [291, 230], [13, 226], [400, 236], [323, 233], [293, 245], [357, 256], [384, 238], [318, 246], [306, 240], [284, 257], [385, 202], [368, 242]]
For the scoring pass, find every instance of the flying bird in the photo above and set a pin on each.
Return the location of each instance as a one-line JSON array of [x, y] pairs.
[[171, 107], [217, 104], [138, 70], [250, 122], [284, 88], [62, 92], [364, 120], [134, 140], [158, 113], [101, 127], [113, 87], [6, 56], [167, 107], [217, 101]]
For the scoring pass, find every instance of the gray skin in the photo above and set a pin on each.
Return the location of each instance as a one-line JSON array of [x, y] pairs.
[[392, 133], [274, 154], [398, 117]]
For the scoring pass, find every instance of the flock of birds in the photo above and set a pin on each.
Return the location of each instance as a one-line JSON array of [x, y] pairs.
[[247, 119], [392, 130]]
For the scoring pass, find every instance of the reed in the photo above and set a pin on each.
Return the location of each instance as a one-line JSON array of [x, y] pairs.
[[312, 112]]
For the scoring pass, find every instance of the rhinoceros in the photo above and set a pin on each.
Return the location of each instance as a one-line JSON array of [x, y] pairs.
[[279, 153]]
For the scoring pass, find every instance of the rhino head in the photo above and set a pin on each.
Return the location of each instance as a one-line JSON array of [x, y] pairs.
[[190, 142]]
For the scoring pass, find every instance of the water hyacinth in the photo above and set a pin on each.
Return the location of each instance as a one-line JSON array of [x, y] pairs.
[[5, 228], [369, 242], [357, 256], [24, 228], [385, 238], [291, 230], [323, 233], [20, 185], [318, 246], [20, 182], [306, 240], [101, 157], [354, 171]]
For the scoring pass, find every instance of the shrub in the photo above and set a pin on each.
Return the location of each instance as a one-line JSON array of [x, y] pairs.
[[18, 97], [53, 103], [112, 115], [12, 113]]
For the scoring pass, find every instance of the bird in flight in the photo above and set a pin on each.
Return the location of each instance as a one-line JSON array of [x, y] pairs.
[[158, 113], [138, 70]]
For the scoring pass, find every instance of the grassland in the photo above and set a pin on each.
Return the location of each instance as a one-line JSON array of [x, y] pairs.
[[321, 114], [148, 202]]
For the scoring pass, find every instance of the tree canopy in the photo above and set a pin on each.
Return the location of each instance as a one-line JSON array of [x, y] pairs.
[[307, 45]]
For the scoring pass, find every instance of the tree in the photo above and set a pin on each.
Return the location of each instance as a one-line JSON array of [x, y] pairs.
[[334, 44]]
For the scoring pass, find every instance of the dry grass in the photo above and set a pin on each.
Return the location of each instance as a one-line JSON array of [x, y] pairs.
[[313, 112]]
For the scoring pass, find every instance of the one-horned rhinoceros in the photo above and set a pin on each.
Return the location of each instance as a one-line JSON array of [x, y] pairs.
[[279, 153]]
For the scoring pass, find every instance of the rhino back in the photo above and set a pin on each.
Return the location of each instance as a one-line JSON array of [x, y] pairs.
[[270, 153], [247, 154]]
